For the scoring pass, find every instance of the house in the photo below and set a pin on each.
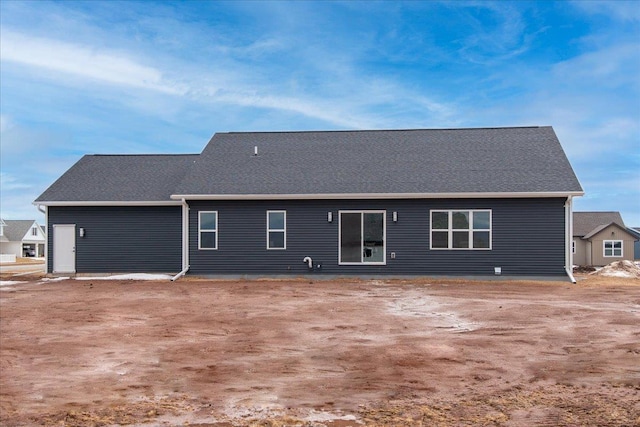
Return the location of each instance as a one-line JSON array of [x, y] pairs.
[[22, 238], [365, 203], [636, 245], [600, 238]]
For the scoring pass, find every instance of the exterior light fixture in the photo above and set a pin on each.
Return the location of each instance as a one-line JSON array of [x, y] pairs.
[[395, 217], [329, 216], [81, 232]]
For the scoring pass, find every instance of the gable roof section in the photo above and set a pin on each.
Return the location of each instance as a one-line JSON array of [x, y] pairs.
[[400, 162], [119, 179], [585, 223], [16, 229], [482, 162]]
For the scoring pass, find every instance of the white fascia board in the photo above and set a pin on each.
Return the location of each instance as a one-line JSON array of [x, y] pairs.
[[110, 203], [344, 196]]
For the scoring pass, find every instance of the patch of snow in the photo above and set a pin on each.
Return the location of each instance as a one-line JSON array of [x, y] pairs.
[[422, 306], [617, 274], [134, 276], [319, 416], [626, 269], [55, 279], [10, 282]]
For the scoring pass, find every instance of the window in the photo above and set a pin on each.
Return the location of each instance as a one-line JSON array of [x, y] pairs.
[[362, 237], [613, 248], [34, 231], [468, 229], [276, 230], [573, 246], [208, 230]]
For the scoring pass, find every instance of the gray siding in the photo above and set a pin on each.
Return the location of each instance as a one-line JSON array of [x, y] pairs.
[[528, 238], [122, 239]]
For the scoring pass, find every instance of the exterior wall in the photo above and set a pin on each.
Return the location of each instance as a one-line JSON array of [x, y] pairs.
[[580, 255], [528, 238], [611, 233], [122, 239], [14, 248]]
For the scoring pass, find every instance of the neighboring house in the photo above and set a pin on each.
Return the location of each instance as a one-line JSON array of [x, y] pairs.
[[22, 238], [600, 238], [636, 245], [365, 203]]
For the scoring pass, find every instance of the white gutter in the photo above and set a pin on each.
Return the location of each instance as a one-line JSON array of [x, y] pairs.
[[46, 238], [110, 203], [337, 196], [185, 241], [568, 227]]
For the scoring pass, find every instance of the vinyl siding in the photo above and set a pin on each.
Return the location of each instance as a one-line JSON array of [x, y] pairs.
[[122, 239], [527, 238]]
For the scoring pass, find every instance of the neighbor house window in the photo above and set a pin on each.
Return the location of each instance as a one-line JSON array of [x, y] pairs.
[[208, 230], [461, 229], [362, 237], [613, 248], [34, 231], [276, 229]]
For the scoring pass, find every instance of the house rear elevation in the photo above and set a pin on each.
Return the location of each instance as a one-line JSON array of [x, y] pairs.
[[479, 202]]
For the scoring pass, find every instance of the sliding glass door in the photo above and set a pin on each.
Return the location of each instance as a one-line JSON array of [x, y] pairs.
[[362, 237]]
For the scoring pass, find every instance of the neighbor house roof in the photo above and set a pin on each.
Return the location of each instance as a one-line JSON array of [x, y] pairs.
[[16, 229], [376, 163], [586, 223], [119, 178], [405, 162]]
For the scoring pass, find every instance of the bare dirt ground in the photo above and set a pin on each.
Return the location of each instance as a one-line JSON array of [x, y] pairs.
[[320, 353]]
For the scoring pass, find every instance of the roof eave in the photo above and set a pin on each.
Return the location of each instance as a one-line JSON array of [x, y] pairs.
[[346, 196], [108, 203]]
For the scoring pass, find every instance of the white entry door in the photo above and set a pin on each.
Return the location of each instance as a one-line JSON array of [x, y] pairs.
[[64, 248]]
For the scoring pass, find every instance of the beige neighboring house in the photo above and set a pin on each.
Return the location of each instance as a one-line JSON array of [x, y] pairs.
[[21, 238], [600, 238]]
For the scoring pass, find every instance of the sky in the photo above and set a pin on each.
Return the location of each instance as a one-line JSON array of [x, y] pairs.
[[162, 77]]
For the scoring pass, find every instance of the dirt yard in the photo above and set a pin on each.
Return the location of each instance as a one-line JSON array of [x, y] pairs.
[[320, 353]]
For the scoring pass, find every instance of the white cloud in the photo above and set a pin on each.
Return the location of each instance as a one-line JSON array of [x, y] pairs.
[[10, 182], [620, 10], [82, 61], [5, 123]]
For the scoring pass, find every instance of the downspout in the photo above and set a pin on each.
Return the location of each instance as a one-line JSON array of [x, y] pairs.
[[46, 238], [185, 241], [568, 261]]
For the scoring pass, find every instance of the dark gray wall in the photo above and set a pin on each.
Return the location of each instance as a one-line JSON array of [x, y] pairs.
[[122, 239], [528, 238]]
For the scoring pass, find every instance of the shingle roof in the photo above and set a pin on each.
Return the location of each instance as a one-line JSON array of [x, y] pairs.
[[434, 161], [423, 161], [124, 178], [16, 229], [585, 223]]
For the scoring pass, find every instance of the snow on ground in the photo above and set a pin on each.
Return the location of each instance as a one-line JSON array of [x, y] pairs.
[[135, 276], [9, 282], [626, 269]]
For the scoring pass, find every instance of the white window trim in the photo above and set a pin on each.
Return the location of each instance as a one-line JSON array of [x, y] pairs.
[[613, 255], [200, 230], [384, 237], [450, 229], [284, 230]]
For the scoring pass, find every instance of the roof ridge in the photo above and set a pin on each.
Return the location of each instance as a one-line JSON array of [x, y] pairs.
[[383, 130], [145, 155]]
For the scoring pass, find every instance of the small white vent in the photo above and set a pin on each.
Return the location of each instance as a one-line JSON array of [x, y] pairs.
[[255, 150]]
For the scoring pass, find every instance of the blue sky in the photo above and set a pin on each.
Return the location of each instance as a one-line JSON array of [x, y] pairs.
[[142, 77]]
